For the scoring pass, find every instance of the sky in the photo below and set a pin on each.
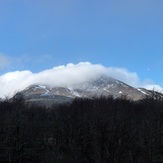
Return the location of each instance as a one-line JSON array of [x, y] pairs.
[[124, 38]]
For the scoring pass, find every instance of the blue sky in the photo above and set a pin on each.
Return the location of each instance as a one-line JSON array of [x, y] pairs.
[[36, 35]]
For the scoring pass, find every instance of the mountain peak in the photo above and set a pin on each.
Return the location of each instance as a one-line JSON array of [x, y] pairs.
[[100, 86]]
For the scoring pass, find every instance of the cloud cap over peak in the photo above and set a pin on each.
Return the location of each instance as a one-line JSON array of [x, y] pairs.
[[68, 75]]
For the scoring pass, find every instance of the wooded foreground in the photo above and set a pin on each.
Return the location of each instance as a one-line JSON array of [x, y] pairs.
[[100, 130]]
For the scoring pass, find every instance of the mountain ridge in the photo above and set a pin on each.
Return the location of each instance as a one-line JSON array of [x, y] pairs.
[[100, 86]]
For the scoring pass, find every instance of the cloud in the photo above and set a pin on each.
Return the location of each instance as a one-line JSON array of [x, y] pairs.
[[154, 87], [68, 75], [124, 75], [4, 61]]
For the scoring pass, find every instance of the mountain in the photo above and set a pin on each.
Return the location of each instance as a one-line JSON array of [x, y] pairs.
[[100, 86]]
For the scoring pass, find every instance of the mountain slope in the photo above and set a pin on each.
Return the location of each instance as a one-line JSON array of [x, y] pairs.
[[108, 86], [100, 86]]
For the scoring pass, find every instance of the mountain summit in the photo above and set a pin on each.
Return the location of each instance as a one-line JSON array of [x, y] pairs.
[[99, 86]]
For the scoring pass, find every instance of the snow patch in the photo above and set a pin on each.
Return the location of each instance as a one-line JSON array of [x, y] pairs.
[[142, 91], [73, 92]]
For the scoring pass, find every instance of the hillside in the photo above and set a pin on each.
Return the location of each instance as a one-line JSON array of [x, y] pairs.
[[100, 86]]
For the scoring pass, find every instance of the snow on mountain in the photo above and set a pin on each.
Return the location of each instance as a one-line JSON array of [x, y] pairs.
[[100, 86], [141, 90]]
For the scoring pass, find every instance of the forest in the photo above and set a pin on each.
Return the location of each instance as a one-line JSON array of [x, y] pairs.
[[98, 130]]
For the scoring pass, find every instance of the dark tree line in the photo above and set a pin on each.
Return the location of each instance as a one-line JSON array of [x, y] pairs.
[[100, 130]]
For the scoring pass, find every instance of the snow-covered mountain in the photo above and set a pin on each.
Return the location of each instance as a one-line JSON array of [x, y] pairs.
[[100, 86]]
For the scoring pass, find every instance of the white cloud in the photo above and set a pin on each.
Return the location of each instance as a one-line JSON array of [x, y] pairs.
[[124, 75], [65, 76], [4, 61], [154, 87]]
